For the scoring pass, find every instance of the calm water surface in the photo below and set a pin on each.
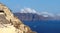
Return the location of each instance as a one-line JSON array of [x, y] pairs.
[[44, 26]]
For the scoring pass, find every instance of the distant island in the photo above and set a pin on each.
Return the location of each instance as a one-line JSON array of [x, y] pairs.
[[34, 17]]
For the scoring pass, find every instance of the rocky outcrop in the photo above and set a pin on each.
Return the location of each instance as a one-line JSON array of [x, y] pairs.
[[10, 23]]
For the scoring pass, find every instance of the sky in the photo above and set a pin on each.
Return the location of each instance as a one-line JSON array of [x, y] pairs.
[[52, 6]]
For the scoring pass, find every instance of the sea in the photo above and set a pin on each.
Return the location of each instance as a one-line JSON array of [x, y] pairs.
[[44, 26]]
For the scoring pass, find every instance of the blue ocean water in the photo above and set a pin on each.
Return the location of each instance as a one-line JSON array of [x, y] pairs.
[[47, 26]]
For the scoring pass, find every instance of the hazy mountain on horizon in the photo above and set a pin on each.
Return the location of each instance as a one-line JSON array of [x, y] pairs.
[[28, 14], [34, 17]]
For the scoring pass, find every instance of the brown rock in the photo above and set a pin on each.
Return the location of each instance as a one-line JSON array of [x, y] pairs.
[[8, 20]]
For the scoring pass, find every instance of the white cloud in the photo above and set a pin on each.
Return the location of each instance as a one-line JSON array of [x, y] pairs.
[[46, 14], [28, 10]]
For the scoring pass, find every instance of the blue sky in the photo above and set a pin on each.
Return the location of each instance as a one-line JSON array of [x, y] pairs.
[[52, 6]]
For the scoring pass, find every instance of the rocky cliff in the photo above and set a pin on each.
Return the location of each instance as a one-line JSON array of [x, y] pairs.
[[10, 23], [32, 17]]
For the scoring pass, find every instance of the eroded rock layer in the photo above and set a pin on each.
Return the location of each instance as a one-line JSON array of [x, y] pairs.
[[10, 23]]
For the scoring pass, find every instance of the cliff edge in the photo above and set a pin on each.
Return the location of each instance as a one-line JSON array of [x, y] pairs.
[[10, 23]]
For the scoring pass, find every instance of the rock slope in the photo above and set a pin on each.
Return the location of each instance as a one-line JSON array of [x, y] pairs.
[[10, 23]]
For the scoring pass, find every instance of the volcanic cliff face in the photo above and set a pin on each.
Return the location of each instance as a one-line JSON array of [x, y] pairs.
[[10, 23], [32, 17]]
